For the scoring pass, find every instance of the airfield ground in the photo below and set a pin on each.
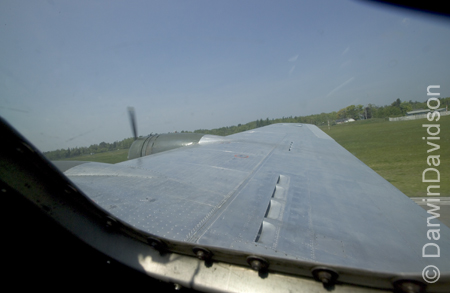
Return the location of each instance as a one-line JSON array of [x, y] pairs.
[[396, 150], [110, 157]]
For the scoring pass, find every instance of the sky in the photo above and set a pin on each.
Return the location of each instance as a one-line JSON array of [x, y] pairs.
[[70, 69]]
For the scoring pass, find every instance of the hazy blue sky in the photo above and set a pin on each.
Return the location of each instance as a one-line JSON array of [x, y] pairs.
[[69, 69]]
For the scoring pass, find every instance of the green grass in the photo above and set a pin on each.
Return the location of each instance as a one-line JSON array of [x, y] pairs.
[[110, 157], [396, 150]]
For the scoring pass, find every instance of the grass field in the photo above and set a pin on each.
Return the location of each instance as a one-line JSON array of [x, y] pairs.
[[395, 150], [111, 157]]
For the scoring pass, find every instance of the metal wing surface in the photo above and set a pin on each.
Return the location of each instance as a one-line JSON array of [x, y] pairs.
[[286, 190]]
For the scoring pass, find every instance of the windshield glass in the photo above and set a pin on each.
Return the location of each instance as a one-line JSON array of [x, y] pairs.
[[70, 69], [72, 72]]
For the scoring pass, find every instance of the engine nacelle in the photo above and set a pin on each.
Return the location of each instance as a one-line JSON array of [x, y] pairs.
[[157, 143]]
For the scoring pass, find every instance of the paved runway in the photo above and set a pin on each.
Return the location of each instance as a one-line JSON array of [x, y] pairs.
[[444, 205]]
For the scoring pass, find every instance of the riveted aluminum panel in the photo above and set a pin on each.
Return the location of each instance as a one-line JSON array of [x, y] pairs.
[[331, 208]]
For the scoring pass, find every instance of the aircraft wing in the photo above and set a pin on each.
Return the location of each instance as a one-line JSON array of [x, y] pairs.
[[284, 199]]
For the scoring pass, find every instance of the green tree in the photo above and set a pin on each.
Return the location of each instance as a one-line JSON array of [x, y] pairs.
[[396, 103], [405, 107]]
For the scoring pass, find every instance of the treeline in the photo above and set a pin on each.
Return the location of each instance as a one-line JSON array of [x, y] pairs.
[[312, 119], [92, 149], [396, 109], [357, 112]]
